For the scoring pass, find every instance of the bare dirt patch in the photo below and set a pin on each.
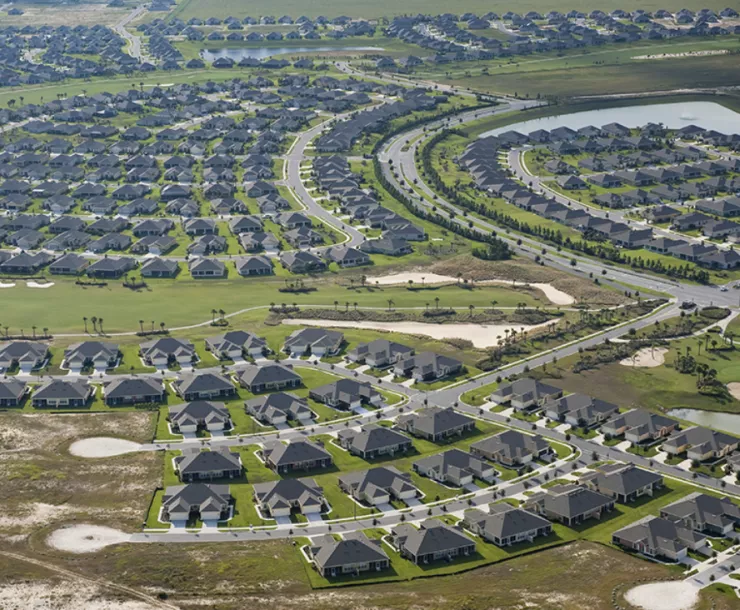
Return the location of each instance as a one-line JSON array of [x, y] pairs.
[[64, 595], [101, 447], [70, 15], [522, 272], [44, 484], [664, 596], [85, 538]]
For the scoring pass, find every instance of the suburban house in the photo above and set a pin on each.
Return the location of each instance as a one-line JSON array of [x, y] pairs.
[[434, 540], [281, 498], [296, 455], [659, 538], [435, 423], [203, 386], [700, 444], [623, 482], [580, 410], [276, 409], [98, 355], [133, 390], [301, 261], [455, 467], [525, 394], [315, 341], [570, 504], [165, 351], [373, 441], [269, 378], [639, 426], [512, 448], [355, 553], [62, 393], [195, 464], [192, 501], [190, 417], [12, 392], [506, 524], [378, 486], [427, 366], [26, 355], [703, 513], [236, 344], [346, 394], [379, 353]]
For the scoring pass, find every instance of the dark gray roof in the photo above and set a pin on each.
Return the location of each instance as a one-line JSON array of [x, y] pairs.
[[124, 387], [269, 373], [506, 520], [355, 548], [198, 411], [433, 536], [61, 389], [436, 420], [196, 461], [373, 437], [178, 500], [281, 454], [202, 382]]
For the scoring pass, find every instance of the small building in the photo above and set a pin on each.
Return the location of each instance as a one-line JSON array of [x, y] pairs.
[[346, 394], [378, 486], [190, 417], [512, 448], [702, 513], [434, 540], [315, 341], [525, 394], [287, 496], [506, 525], [192, 501], [62, 393], [203, 386], [659, 538], [278, 408], [297, 455], [195, 464], [269, 378], [623, 482], [379, 353], [435, 423], [354, 554], [455, 467], [374, 441], [570, 504]]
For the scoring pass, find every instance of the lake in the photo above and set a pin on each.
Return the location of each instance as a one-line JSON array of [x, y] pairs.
[[708, 115], [239, 53], [727, 422]]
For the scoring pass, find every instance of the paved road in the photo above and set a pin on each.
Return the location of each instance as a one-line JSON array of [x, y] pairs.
[[134, 41], [293, 160]]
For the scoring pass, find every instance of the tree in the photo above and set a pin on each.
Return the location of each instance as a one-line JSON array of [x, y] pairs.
[[84, 320], [100, 326], [94, 321], [141, 326]]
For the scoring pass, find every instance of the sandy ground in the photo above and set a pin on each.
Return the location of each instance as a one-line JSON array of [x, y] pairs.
[[8, 285], [664, 596], [646, 358], [65, 595], [481, 335], [558, 297], [32, 284], [102, 446], [85, 538], [734, 389], [683, 55]]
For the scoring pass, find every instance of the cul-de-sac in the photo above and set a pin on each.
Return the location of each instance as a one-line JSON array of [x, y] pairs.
[[369, 306]]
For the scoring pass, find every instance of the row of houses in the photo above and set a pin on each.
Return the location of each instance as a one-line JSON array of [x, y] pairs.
[[481, 160]]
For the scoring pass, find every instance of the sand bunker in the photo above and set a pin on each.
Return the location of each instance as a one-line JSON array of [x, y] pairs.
[[734, 389], [7, 285], [558, 297], [683, 55], [85, 538], [481, 335], [646, 358], [664, 596], [32, 284], [101, 447]]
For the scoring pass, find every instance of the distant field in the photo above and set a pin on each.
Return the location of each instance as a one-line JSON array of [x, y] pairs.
[[599, 71], [88, 14], [380, 8]]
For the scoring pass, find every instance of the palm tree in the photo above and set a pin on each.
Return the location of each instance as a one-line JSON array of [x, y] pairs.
[[100, 325], [470, 309], [94, 321], [161, 326], [141, 325], [436, 302], [213, 316], [390, 304], [222, 313], [33, 330], [336, 305], [46, 332], [84, 320]]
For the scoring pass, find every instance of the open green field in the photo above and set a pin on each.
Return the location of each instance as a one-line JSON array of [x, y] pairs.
[[598, 71], [356, 8], [184, 301], [659, 388]]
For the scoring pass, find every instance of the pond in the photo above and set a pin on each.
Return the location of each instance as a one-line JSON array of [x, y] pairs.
[[708, 115], [727, 422], [239, 53]]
